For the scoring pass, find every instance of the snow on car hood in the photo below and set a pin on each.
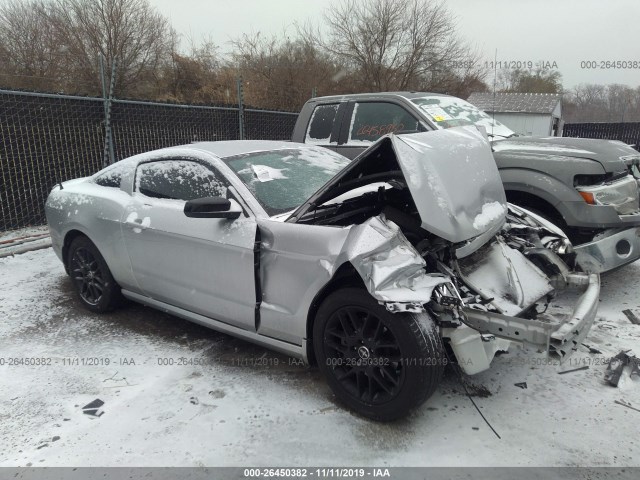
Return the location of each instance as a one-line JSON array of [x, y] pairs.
[[454, 181]]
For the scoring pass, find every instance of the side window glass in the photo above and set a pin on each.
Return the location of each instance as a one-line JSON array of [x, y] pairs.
[[372, 120], [321, 124], [179, 180], [111, 177]]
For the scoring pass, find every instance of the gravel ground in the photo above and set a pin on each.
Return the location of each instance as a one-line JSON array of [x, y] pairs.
[[177, 394]]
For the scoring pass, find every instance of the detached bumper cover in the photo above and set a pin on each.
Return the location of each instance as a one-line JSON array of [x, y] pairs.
[[559, 337], [609, 252]]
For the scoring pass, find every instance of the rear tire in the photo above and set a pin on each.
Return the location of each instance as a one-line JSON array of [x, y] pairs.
[[96, 287], [379, 364]]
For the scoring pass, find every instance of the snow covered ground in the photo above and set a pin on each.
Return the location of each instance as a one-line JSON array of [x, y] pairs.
[[177, 394]]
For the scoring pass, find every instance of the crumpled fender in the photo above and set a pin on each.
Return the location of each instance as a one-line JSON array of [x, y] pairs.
[[392, 270]]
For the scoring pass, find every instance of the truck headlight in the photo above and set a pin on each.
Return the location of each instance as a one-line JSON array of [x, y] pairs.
[[620, 194], [633, 163]]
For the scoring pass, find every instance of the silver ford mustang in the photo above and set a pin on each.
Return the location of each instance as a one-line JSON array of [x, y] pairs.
[[381, 270]]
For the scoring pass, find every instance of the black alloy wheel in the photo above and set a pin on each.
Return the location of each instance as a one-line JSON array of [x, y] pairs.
[[86, 272], [364, 353], [378, 363], [96, 287]]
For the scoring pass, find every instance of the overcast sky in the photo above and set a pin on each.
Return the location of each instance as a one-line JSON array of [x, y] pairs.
[[563, 31]]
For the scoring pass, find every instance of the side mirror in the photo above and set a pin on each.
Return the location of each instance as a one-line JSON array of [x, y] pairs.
[[212, 207]]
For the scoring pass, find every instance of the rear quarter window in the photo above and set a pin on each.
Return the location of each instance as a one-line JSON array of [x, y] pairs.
[[321, 124], [111, 176]]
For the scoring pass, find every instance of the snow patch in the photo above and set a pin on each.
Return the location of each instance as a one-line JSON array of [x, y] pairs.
[[265, 173], [490, 213]]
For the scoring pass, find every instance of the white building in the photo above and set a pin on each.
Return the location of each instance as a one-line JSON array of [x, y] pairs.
[[537, 114]]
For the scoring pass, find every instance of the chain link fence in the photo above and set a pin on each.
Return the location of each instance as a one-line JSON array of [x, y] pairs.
[[46, 139]]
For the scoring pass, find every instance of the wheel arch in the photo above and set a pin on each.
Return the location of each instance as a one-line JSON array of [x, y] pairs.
[[69, 237], [534, 202], [345, 276]]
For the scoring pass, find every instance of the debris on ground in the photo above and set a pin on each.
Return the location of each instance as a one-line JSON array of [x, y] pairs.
[[631, 316], [474, 390], [217, 393], [616, 366], [194, 400], [635, 368], [625, 404], [522, 385], [592, 349], [14, 245], [93, 408], [584, 367]]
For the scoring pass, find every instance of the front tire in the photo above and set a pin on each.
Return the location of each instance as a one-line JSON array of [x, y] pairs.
[[379, 364], [96, 287]]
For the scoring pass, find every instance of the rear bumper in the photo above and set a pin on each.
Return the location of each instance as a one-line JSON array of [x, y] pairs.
[[613, 250], [559, 337]]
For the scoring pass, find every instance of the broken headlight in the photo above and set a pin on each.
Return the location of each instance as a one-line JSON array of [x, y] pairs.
[[621, 195], [446, 305], [633, 163]]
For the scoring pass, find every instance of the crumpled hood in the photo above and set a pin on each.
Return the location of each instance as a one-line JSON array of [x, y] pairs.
[[454, 181], [605, 152], [451, 175]]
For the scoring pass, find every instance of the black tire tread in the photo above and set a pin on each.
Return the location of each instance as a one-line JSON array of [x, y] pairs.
[[429, 343]]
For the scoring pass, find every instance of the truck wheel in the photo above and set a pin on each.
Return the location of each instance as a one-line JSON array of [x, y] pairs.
[[97, 289], [379, 364]]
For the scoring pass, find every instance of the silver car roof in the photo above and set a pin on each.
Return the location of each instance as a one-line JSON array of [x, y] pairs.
[[231, 148]]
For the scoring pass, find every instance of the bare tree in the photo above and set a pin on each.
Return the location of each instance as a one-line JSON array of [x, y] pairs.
[[195, 77], [59, 41], [30, 54], [130, 32], [530, 81], [603, 103], [281, 72], [398, 44]]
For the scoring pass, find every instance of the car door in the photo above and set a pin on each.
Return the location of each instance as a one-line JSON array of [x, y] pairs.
[[204, 265], [367, 121]]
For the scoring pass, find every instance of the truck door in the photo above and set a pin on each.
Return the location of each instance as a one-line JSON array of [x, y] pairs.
[[367, 121]]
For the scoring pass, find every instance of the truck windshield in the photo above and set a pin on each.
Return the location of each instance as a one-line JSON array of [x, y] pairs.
[[447, 112]]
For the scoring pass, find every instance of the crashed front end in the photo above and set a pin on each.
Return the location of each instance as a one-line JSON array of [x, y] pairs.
[[508, 285], [433, 234], [496, 295]]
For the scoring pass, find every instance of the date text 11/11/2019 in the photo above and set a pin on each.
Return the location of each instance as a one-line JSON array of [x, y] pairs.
[[521, 65]]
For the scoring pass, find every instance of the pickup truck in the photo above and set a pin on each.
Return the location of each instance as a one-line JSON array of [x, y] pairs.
[[587, 188]]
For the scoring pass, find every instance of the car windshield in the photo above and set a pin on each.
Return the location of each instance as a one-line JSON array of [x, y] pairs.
[[282, 180], [447, 112]]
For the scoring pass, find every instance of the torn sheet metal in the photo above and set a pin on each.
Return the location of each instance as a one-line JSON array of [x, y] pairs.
[[452, 206], [392, 270], [503, 274]]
